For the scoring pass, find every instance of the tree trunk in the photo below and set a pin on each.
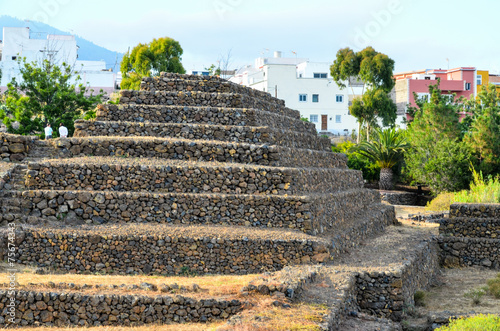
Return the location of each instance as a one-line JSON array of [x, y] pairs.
[[358, 140], [385, 182]]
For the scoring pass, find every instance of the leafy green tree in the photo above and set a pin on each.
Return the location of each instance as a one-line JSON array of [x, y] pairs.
[[46, 93], [483, 133], [375, 70], [146, 60], [213, 70], [374, 104], [386, 150], [437, 156]]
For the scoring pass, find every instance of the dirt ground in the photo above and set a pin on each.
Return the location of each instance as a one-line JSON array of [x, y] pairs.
[[454, 283]]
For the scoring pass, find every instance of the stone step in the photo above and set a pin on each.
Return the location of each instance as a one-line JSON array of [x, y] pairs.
[[188, 83], [154, 175], [239, 134], [302, 213], [163, 249], [199, 150], [199, 99], [472, 227], [201, 115]]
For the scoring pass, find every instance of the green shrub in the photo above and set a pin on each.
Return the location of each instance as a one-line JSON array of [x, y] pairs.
[[371, 172], [475, 295], [481, 191], [419, 298], [494, 286], [476, 323]]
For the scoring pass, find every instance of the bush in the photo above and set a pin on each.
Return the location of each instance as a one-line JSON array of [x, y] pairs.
[[371, 172], [476, 323], [419, 298], [481, 191], [494, 286], [475, 295]]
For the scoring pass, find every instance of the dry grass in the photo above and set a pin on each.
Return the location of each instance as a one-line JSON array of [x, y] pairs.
[[263, 316], [211, 286], [149, 327]]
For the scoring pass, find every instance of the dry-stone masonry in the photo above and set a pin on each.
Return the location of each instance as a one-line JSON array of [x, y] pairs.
[[190, 173], [14, 147], [470, 236], [62, 309]]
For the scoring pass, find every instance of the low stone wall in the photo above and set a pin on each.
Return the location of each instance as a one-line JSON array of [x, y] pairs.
[[475, 210], [467, 252], [399, 198], [167, 249], [102, 174], [83, 310], [198, 150], [472, 227], [211, 84], [14, 147], [201, 115], [387, 294], [197, 99], [471, 236], [239, 134]]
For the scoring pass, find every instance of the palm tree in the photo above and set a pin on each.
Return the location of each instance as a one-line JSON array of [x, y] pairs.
[[385, 150]]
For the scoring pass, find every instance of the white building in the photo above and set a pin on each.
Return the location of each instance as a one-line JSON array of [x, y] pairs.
[[21, 42], [305, 86]]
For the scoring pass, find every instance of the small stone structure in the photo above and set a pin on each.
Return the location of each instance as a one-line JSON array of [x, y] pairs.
[[471, 236]]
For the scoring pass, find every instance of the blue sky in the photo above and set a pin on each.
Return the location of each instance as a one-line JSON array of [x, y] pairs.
[[416, 34]]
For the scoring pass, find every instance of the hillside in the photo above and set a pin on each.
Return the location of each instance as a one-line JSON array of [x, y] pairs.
[[88, 50]]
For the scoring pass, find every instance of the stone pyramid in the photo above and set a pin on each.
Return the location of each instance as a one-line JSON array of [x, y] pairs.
[[191, 173]]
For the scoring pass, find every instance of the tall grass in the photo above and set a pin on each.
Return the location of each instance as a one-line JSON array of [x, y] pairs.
[[481, 191]]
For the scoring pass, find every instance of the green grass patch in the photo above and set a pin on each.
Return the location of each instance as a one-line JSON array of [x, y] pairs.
[[476, 323]]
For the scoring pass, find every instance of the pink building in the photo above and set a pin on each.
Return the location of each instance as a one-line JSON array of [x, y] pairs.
[[460, 81]]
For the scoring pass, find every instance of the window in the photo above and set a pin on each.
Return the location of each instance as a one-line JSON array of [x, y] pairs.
[[302, 97], [313, 118], [319, 75], [205, 73], [423, 96], [467, 86], [338, 118], [479, 80], [195, 73], [14, 58], [315, 97], [339, 98]]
